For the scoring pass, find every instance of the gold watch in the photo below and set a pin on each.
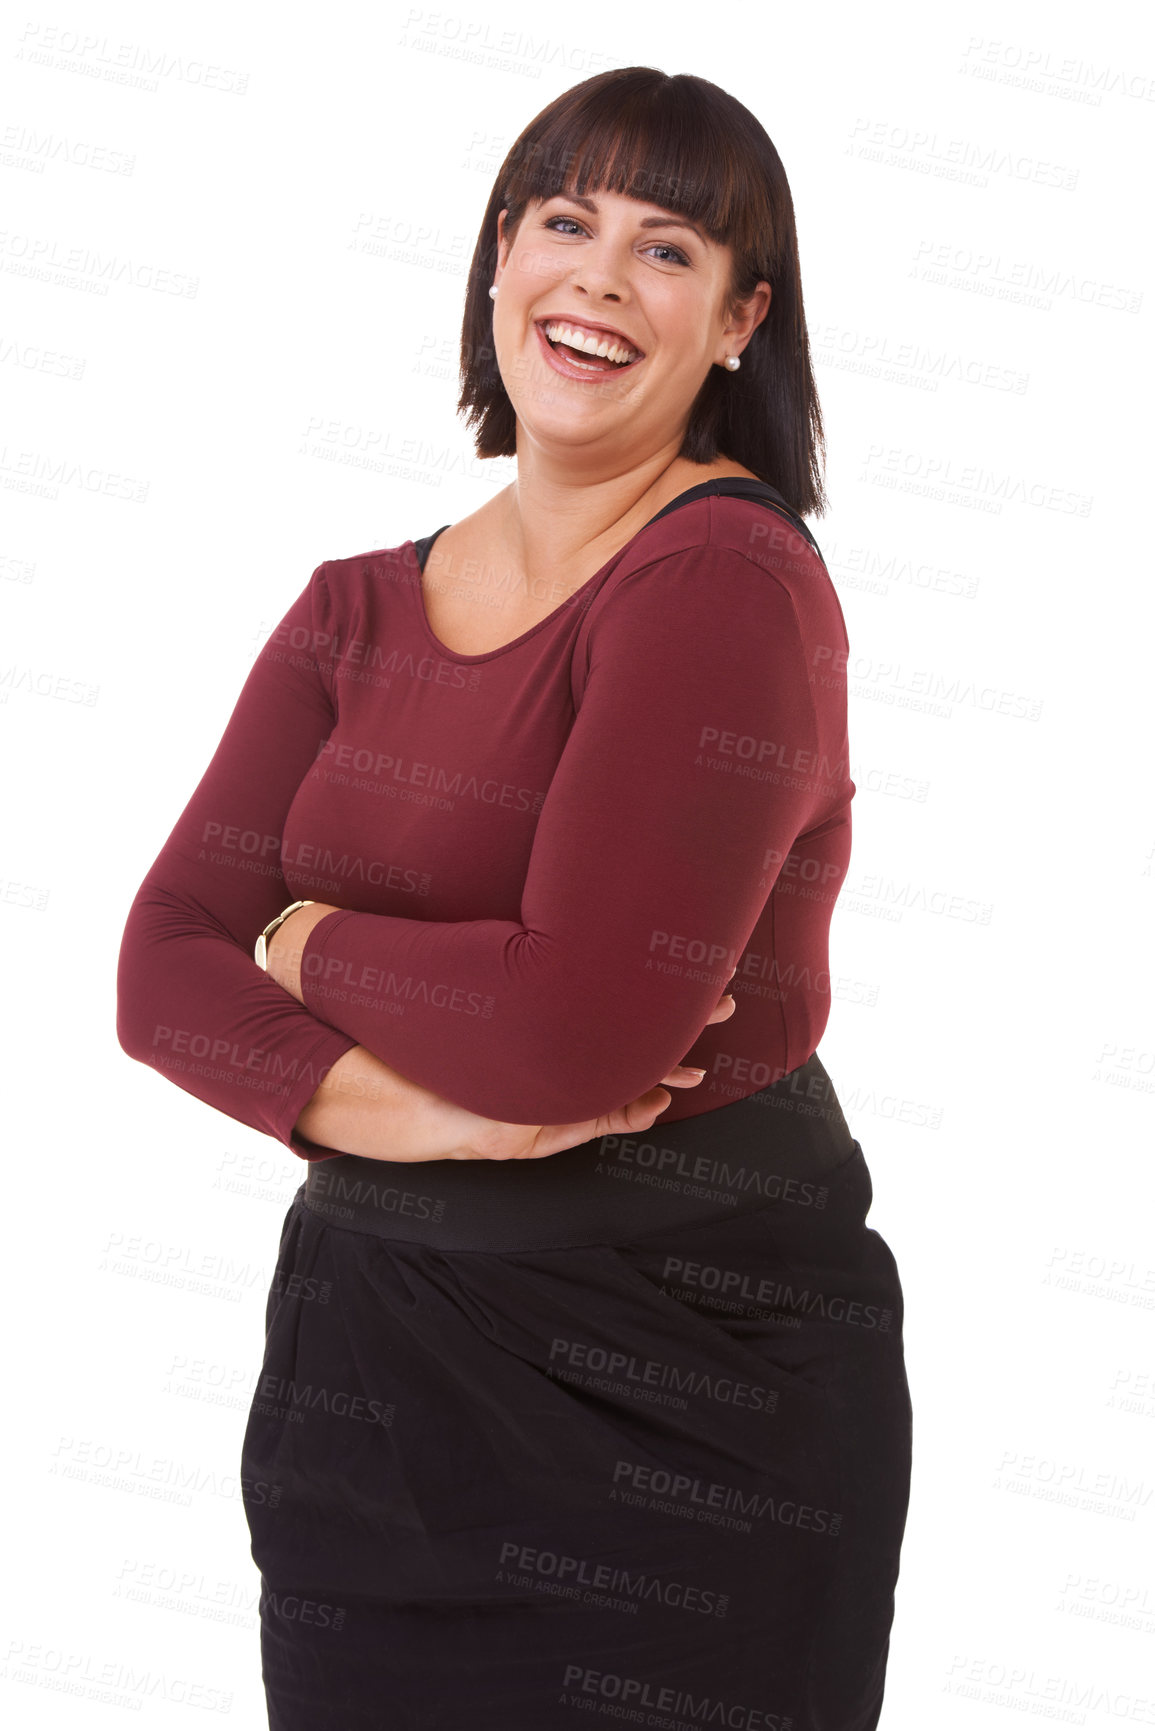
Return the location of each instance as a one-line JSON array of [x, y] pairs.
[[261, 948]]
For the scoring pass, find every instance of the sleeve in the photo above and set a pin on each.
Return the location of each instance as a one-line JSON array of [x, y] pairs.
[[192, 1001], [659, 840]]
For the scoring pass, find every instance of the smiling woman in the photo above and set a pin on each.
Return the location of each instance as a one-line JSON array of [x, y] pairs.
[[555, 271], [709, 202], [601, 1402], [606, 393]]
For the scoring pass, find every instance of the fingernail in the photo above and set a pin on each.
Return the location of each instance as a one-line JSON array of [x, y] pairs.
[[693, 1069]]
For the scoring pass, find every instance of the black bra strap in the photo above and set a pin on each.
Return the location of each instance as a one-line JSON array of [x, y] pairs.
[[422, 547], [740, 487]]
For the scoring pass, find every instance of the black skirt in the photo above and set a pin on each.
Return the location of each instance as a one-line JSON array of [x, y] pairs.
[[623, 1431]]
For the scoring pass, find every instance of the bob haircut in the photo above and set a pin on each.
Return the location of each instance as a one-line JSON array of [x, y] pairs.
[[687, 145]]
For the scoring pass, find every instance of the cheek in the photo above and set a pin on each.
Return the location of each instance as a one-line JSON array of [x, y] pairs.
[[532, 265], [683, 361]]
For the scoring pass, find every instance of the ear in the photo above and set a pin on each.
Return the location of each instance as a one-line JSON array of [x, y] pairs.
[[745, 317], [503, 245]]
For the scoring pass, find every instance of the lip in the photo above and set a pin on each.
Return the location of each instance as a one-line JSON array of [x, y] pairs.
[[567, 368]]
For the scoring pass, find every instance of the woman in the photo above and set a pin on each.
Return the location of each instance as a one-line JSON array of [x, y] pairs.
[[579, 1393]]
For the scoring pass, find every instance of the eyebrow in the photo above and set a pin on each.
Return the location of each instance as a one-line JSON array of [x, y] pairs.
[[646, 221]]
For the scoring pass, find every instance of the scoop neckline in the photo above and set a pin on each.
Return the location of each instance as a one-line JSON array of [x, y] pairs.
[[700, 490]]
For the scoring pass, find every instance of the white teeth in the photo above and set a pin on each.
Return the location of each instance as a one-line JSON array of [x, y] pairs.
[[609, 347]]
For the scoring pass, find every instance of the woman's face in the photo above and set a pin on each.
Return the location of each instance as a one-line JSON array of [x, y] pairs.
[[609, 260]]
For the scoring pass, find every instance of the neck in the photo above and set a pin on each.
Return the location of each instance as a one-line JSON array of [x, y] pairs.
[[561, 518]]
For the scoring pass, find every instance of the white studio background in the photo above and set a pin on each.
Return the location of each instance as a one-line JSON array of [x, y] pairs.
[[232, 248]]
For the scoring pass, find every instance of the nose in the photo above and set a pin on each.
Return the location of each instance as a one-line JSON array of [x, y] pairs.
[[601, 273], [605, 294]]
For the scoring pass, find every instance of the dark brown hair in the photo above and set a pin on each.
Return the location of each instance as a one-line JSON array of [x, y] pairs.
[[687, 145]]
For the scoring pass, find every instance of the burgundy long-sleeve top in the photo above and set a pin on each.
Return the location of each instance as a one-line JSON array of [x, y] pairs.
[[548, 859]]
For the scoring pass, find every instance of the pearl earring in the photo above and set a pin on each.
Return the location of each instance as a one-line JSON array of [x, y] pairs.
[[733, 363], [493, 291]]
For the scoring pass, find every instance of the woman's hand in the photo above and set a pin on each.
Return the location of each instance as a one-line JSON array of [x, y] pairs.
[[487, 1139]]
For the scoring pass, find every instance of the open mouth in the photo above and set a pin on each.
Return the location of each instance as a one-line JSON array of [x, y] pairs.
[[590, 352]]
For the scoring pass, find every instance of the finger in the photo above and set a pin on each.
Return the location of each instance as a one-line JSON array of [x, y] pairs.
[[640, 1113], [683, 1076]]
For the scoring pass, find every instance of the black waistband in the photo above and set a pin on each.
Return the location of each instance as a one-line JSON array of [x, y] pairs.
[[744, 1155]]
